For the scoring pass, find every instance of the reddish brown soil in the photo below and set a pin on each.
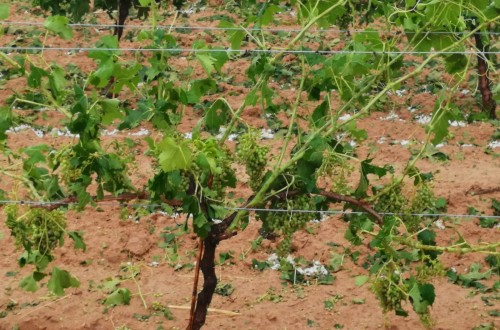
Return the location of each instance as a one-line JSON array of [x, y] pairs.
[[260, 299]]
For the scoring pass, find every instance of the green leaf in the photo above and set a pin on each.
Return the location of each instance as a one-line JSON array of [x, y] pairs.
[[102, 75], [59, 25], [207, 62], [77, 237], [5, 121], [366, 169], [118, 297], [57, 81], [259, 265], [440, 121], [216, 116], [336, 262], [110, 285], [36, 75], [111, 110], [174, 155], [201, 225], [61, 279], [4, 10], [360, 280], [319, 114], [422, 296], [29, 283]]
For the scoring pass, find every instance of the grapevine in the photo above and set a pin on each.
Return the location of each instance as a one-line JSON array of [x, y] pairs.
[[308, 89]]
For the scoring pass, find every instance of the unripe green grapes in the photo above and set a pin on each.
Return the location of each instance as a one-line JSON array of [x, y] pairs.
[[391, 201], [254, 156], [423, 201], [288, 222], [39, 229], [390, 291]]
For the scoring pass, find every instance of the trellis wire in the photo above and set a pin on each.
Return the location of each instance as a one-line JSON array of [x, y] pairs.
[[243, 51], [249, 209], [218, 28]]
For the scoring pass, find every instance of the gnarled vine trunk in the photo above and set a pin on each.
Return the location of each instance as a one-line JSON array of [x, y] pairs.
[[207, 266], [489, 104]]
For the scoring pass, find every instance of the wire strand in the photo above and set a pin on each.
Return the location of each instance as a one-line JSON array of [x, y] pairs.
[[272, 30], [242, 51], [247, 209]]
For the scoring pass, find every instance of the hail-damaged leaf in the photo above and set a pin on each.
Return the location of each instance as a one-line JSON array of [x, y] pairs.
[[59, 25], [440, 121], [77, 237], [36, 75], [421, 296], [29, 283], [319, 114], [361, 279], [57, 81], [61, 279], [111, 110], [236, 36], [216, 116], [175, 155], [118, 297], [366, 169]]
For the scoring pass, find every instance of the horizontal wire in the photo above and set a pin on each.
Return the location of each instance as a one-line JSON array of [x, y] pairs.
[[243, 51], [210, 28], [332, 212]]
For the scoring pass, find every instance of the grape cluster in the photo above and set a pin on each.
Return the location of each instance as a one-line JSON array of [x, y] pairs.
[[392, 201], [390, 291], [220, 180], [179, 185], [62, 159], [254, 156], [287, 223], [69, 173], [39, 229], [423, 200]]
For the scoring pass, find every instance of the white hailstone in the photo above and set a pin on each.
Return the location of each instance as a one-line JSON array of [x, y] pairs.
[[405, 142], [267, 134], [494, 144], [141, 132], [391, 117], [439, 224], [274, 261], [38, 132], [456, 123], [423, 119], [110, 133], [345, 117]]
